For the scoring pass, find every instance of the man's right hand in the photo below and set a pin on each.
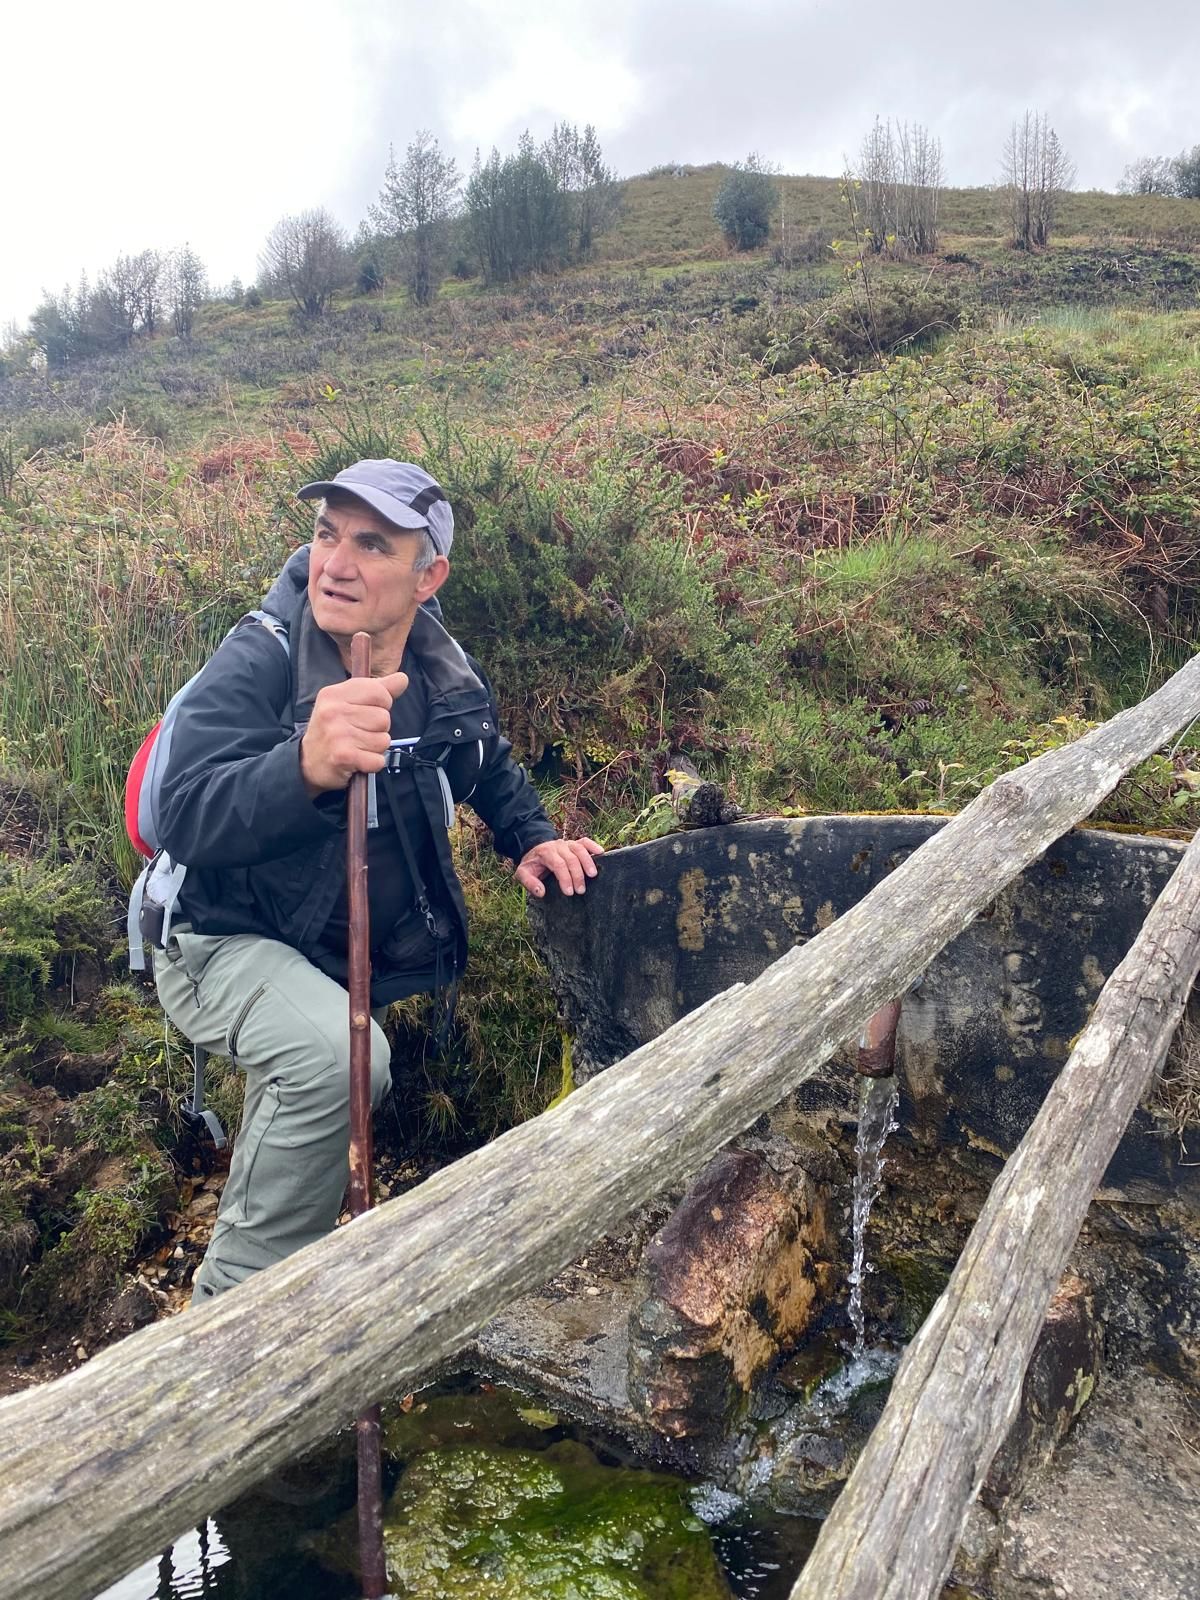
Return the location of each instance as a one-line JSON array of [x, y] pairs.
[[349, 730]]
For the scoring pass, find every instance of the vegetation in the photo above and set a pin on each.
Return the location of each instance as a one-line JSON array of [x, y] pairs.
[[745, 202], [1037, 174], [413, 215], [539, 209], [307, 258], [858, 532], [1171, 175], [900, 176]]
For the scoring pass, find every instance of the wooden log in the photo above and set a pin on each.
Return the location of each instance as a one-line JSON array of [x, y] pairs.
[[108, 1464], [896, 1525]]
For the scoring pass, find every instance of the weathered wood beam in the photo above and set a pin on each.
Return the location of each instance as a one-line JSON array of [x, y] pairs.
[[896, 1525], [105, 1466]]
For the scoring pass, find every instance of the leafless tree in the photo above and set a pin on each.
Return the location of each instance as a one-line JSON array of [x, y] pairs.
[[415, 208], [900, 184], [1148, 175], [306, 257], [185, 284], [1037, 173]]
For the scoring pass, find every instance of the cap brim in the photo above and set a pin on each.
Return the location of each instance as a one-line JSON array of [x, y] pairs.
[[389, 508]]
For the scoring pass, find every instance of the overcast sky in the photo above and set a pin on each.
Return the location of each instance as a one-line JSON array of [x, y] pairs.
[[130, 124]]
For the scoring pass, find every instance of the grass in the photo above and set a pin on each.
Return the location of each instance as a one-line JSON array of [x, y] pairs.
[[671, 217]]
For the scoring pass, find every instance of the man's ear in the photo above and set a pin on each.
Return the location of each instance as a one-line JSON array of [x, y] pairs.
[[432, 579]]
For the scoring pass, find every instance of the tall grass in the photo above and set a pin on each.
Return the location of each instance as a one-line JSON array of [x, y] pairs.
[[121, 574]]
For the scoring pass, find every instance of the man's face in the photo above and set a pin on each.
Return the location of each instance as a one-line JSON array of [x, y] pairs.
[[360, 576]]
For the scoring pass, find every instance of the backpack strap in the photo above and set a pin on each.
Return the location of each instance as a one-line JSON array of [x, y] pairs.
[[194, 1112]]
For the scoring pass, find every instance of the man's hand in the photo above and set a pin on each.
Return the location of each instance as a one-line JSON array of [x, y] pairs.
[[349, 731], [569, 860]]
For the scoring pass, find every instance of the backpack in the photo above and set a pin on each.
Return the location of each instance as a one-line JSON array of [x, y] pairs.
[[154, 895]]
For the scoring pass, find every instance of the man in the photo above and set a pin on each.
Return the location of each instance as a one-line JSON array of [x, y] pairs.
[[253, 800]]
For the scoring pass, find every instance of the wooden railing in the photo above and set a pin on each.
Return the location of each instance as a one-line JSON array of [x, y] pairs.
[[107, 1465]]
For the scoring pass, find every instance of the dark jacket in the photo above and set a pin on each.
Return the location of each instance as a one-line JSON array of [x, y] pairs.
[[265, 858]]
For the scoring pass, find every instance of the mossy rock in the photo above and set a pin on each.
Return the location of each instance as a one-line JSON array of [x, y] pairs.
[[516, 1524], [492, 1523]]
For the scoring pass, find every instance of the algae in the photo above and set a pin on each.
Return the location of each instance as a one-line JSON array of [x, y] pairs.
[[504, 1524]]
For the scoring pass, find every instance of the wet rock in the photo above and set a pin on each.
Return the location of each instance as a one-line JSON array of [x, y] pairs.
[[733, 1279], [1059, 1380], [1120, 1512], [805, 1471]]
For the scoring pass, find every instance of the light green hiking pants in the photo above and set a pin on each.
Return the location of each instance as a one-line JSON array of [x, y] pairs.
[[287, 1026]]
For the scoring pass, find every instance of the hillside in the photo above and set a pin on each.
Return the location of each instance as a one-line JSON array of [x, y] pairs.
[[852, 536], [668, 219]]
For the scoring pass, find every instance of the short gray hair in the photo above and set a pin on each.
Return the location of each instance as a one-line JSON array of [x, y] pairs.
[[427, 552]]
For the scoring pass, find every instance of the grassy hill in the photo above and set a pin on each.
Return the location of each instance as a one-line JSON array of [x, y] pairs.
[[851, 536], [668, 219]]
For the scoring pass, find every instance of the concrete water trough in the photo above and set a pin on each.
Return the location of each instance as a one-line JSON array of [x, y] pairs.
[[706, 1330]]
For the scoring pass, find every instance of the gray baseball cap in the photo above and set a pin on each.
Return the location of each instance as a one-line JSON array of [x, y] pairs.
[[401, 493]]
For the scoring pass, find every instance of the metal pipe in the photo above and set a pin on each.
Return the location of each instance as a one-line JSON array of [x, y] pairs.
[[370, 1476], [877, 1043]]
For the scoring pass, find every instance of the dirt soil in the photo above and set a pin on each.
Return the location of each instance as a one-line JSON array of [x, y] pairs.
[[159, 1283]]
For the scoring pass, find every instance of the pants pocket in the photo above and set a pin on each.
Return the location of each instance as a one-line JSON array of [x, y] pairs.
[[235, 1027], [245, 1199]]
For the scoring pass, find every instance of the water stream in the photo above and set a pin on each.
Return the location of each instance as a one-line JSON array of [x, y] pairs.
[[878, 1099]]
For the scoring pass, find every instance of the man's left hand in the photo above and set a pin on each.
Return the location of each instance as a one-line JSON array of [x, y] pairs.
[[568, 861]]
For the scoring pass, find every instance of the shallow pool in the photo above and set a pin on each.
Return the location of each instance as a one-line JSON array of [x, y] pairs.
[[490, 1495]]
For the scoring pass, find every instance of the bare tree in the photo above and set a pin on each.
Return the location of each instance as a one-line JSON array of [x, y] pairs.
[[900, 184], [415, 208], [1037, 173], [185, 284], [306, 257], [1148, 175], [877, 180]]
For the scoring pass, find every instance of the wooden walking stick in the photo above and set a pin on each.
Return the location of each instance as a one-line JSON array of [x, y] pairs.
[[370, 1477]]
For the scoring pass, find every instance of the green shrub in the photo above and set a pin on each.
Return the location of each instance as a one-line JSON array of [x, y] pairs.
[[48, 914], [856, 329], [745, 202]]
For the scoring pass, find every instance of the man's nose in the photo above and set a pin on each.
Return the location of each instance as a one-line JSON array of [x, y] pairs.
[[341, 561]]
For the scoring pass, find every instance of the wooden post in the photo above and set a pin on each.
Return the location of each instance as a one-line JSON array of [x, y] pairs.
[[183, 1416], [362, 1164], [895, 1527]]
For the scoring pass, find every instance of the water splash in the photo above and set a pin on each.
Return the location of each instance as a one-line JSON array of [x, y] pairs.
[[878, 1099]]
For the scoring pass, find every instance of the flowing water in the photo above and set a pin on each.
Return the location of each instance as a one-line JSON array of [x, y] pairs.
[[489, 1495], [878, 1099]]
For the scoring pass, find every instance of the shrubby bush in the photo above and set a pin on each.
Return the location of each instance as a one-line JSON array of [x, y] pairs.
[[49, 915], [745, 202]]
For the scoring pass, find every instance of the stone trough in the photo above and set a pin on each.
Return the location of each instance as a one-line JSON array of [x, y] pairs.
[[711, 1331]]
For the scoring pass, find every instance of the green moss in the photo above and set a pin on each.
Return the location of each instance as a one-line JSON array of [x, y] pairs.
[[921, 1282], [48, 913], [103, 1228], [499, 1524]]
